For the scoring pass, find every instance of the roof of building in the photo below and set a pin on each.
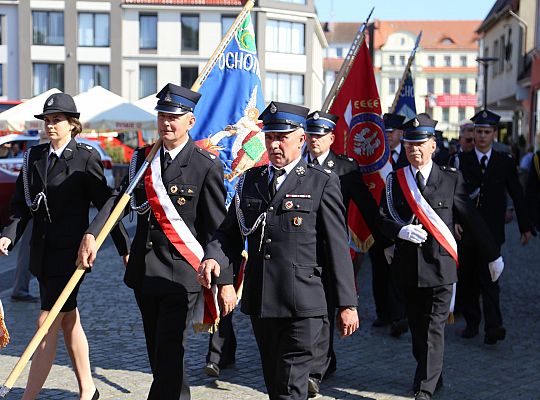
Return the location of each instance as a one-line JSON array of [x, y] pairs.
[[500, 7], [187, 2], [458, 34]]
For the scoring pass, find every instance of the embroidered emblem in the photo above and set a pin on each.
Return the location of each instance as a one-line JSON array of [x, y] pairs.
[[330, 163], [50, 102], [212, 156], [484, 114], [328, 170], [316, 115], [416, 123], [273, 108], [297, 221], [89, 147], [288, 205], [181, 201], [300, 170], [174, 189]]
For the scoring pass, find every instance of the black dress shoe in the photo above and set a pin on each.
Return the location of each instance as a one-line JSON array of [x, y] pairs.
[[421, 395], [313, 386], [469, 332], [495, 334], [27, 298], [380, 322], [399, 327], [96, 395], [212, 369]]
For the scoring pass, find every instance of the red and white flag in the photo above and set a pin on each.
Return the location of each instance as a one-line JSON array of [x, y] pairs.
[[360, 134]]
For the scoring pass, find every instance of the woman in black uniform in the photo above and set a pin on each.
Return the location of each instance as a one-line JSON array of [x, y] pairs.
[[56, 186]]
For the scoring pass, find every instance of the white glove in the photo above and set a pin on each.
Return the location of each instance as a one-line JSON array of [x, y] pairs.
[[496, 268], [389, 253], [413, 233]]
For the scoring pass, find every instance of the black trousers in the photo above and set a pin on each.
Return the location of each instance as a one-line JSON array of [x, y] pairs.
[[387, 291], [427, 311], [476, 281], [165, 319], [324, 357], [222, 344], [286, 347]]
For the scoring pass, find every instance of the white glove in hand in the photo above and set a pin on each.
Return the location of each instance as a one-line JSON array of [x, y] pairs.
[[389, 253], [496, 268], [413, 233]]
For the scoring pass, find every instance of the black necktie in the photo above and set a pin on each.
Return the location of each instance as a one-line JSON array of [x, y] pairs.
[[392, 153], [483, 163], [52, 162], [167, 160], [315, 161], [420, 181], [272, 188]]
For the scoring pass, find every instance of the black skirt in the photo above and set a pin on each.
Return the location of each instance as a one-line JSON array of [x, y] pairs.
[[50, 289]]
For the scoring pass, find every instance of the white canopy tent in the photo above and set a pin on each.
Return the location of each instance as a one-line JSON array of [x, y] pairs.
[[148, 103], [21, 117]]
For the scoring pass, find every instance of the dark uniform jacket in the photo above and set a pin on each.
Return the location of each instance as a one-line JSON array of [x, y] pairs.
[[499, 178], [75, 180], [194, 182], [533, 190], [429, 264], [402, 160], [284, 268]]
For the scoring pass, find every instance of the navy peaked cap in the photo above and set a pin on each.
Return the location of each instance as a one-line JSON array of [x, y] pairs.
[[283, 117], [174, 99]]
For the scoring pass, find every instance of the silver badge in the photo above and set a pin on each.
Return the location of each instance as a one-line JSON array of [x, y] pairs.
[[484, 114], [50, 102], [273, 108], [168, 97], [316, 115], [330, 163], [300, 170], [416, 123]]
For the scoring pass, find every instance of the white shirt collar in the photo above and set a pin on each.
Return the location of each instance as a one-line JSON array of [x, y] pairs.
[[174, 152], [288, 168], [425, 170], [479, 154], [58, 151], [322, 158], [397, 149]]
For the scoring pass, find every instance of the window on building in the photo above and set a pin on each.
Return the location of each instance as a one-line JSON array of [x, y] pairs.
[[226, 22], [47, 76], [461, 114], [1, 79], [93, 29], [402, 41], [431, 85], [392, 60], [502, 54], [48, 28], [447, 61], [147, 80], [429, 111], [392, 85], [2, 23], [285, 37], [463, 61], [463, 86], [93, 75], [148, 31], [446, 115], [339, 52], [402, 60], [431, 61], [188, 75], [495, 66], [288, 88], [190, 32], [446, 85]]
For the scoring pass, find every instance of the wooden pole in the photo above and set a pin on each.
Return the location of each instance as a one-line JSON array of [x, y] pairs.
[[405, 72], [113, 218]]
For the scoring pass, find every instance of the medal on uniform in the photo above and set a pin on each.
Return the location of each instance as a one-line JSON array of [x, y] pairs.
[[288, 205], [181, 201], [297, 221]]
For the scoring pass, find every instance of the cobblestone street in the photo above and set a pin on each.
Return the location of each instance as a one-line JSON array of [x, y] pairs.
[[371, 364]]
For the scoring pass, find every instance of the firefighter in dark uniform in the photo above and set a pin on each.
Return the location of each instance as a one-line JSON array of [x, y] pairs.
[[320, 127], [489, 175], [58, 182], [427, 269], [292, 215], [163, 279]]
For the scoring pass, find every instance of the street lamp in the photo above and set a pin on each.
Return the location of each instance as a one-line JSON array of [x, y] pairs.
[[485, 63]]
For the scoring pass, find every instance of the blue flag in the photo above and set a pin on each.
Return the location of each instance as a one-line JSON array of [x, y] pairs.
[[228, 110], [405, 105]]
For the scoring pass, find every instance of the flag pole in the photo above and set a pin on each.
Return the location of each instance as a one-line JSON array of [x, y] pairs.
[[405, 72], [113, 218], [346, 66]]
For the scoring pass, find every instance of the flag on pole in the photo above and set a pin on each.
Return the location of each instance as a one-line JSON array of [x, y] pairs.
[[360, 134], [227, 113], [405, 104]]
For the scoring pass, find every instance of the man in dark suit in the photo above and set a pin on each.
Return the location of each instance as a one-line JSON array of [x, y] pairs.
[[418, 210], [488, 175], [292, 215], [180, 203], [466, 143], [393, 128], [532, 195], [320, 127]]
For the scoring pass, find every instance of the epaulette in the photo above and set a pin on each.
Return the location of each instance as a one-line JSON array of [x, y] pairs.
[[345, 157], [509, 155], [86, 147], [210, 156], [319, 168], [448, 168]]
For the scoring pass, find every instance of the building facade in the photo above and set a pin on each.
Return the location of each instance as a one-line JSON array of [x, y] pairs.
[[444, 69], [134, 47]]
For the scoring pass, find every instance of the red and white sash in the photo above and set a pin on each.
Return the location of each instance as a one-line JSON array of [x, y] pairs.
[[425, 213], [206, 312]]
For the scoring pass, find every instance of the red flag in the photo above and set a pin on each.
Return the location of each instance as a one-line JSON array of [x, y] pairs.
[[360, 135]]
